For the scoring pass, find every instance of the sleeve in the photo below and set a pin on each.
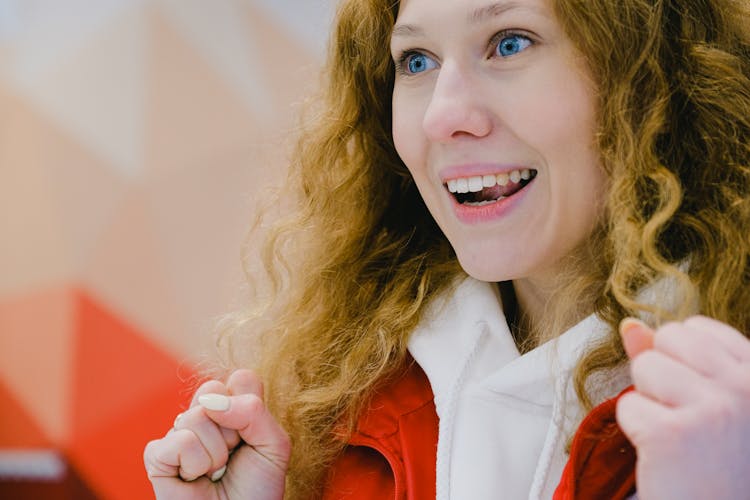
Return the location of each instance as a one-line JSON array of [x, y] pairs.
[[602, 460]]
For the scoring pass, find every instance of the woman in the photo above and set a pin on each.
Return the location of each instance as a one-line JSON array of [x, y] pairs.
[[583, 162]]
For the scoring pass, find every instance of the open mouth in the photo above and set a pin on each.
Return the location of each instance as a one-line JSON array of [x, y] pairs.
[[484, 190]]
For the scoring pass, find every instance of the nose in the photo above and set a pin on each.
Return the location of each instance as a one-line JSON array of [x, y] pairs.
[[456, 107]]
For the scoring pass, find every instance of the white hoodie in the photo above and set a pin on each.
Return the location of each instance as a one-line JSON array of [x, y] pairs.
[[504, 417]]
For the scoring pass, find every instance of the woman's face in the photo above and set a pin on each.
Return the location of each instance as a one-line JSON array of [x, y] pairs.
[[493, 114]]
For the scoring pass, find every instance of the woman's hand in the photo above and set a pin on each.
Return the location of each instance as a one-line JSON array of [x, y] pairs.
[[689, 415], [226, 446]]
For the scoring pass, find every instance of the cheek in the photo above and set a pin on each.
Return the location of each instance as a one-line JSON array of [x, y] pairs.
[[407, 131], [559, 116]]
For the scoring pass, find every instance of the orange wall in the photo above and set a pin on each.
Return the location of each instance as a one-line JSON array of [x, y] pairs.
[[135, 136]]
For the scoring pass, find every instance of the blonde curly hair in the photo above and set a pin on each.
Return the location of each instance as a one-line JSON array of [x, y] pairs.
[[350, 273]]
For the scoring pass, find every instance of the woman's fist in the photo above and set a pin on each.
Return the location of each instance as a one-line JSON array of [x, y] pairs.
[[689, 415], [226, 446]]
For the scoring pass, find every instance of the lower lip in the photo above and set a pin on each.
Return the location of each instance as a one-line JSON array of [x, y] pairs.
[[478, 214]]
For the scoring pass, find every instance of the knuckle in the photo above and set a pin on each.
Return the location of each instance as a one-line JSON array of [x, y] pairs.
[[255, 402], [640, 365], [252, 405], [211, 385], [188, 473], [700, 322], [194, 464], [243, 372], [189, 418], [205, 438], [664, 429], [244, 380], [625, 401], [157, 451], [722, 408], [674, 428], [668, 333], [187, 441], [220, 457], [259, 410], [694, 321], [148, 450], [650, 358]]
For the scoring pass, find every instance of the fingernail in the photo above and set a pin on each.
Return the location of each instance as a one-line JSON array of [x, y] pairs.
[[177, 419], [218, 474], [630, 323], [215, 402]]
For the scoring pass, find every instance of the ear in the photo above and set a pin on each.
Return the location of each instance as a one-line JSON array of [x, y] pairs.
[[637, 336]]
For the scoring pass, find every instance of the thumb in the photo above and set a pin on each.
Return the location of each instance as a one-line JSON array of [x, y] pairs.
[[637, 336]]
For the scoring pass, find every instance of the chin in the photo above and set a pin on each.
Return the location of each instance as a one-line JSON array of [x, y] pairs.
[[487, 269]]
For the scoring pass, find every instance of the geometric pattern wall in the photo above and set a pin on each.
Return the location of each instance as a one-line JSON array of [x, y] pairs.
[[135, 137]]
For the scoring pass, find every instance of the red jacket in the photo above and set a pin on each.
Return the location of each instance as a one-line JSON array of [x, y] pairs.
[[392, 452]]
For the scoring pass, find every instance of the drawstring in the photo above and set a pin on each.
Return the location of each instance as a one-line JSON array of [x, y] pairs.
[[445, 430], [554, 432]]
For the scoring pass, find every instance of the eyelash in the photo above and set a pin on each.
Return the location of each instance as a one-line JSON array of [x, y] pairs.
[[500, 36], [403, 60], [404, 56]]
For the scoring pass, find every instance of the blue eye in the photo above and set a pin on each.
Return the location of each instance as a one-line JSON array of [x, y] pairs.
[[418, 63], [511, 45]]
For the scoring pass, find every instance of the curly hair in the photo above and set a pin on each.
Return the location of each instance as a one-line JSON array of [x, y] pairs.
[[674, 135], [351, 271]]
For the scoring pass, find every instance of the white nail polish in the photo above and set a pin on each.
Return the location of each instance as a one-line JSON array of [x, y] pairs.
[[176, 420], [218, 474], [215, 402]]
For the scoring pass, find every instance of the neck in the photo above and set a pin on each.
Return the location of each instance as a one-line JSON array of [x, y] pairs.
[[533, 313], [523, 307], [556, 297]]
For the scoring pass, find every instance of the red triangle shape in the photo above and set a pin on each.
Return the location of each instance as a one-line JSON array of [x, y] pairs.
[[111, 458], [116, 368], [127, 391], [18, 429]]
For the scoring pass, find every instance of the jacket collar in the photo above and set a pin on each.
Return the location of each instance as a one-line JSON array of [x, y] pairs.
[[470, 320], [405, 393]]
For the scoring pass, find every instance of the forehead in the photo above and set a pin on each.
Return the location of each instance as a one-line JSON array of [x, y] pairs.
[[429, 18], [446, 19], [472, 11]]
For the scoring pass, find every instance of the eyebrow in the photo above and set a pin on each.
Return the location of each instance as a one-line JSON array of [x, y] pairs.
[[477, 16], [492, 10]]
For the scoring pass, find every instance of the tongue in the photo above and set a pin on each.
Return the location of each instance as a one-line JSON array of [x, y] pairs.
[[496, 191]]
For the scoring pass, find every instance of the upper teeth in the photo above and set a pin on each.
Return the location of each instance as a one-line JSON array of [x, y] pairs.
[[479, 182]]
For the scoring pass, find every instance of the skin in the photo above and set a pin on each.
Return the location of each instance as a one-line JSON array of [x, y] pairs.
[[535, 108], [688, 414], [179, 464]]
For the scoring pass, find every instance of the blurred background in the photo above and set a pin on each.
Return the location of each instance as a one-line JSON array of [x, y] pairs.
[[135, 137]]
